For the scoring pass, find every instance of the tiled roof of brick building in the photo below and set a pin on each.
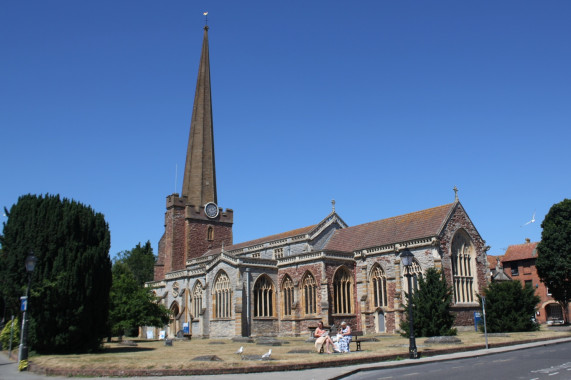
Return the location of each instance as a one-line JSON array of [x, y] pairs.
[[493, 260], [520, 252], [283, 235], [416, 225]]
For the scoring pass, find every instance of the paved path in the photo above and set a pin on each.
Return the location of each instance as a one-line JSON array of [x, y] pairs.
[[9, 368]]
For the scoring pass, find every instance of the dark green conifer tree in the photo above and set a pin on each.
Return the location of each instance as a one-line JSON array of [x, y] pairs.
[[69, 296], [510, 307], [141, 262], [431, 304]]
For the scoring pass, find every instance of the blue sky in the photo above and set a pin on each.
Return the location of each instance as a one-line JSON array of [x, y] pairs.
[[383, 106]]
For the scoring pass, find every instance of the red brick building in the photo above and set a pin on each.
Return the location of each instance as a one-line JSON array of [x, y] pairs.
[[519, 263]]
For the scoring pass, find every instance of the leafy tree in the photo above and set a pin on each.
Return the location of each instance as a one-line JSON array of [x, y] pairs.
[[431, 307], [141, 262], [132, 305], [6, 333], [510, 307], [69, 296], [554, 253]]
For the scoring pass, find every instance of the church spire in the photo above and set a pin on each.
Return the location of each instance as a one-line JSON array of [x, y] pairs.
[[199, 183]]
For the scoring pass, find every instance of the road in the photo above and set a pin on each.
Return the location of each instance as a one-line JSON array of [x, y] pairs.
[[544, 362]]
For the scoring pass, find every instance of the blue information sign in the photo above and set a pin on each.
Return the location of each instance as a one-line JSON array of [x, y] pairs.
[[23, 303]]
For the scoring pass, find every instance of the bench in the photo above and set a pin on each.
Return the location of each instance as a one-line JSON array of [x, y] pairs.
[[354, 338], [356, 335]]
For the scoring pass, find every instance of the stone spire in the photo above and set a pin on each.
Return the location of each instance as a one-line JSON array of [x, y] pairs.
[[199, 183]]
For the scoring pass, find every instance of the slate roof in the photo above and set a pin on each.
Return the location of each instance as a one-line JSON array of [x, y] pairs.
[[416, 225], [283, 235], [521, 252]]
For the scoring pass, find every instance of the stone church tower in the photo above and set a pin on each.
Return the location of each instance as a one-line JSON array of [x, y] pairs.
[[194, 223]]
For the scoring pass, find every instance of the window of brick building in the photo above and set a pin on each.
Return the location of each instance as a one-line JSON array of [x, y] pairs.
[[528, 283], [343, 292], [309, 294], [379, 286], [515, 269], [264, 297], [287, 296]]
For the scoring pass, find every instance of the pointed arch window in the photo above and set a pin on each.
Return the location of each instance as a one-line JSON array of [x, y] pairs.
[[463, 268], [287, 296], [309, 294], [379, 286], [222, 297], [264, 296], [196, 303], [415, 271], [343, 292]]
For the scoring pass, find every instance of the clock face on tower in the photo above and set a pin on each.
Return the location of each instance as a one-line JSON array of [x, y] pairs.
[[211, 210]]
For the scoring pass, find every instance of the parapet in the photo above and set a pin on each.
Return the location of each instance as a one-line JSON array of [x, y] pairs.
[[197, 212]]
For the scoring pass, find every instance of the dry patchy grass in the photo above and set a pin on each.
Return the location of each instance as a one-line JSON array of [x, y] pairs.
[[154, 355]]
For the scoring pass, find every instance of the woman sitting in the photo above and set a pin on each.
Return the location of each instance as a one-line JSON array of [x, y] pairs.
[[322, 339], [344, 337]]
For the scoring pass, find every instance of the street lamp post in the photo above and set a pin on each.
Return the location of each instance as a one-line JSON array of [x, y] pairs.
[[31, 261], [406, 257]]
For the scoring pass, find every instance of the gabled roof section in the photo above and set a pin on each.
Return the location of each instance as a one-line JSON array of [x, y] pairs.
[[416, 225], [264, 240], [299, 234], [521, 252]]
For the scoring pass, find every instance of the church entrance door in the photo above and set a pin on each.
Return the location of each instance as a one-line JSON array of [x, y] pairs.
[[380, 317]]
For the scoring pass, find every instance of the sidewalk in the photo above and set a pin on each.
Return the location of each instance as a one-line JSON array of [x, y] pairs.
[[9, 368]]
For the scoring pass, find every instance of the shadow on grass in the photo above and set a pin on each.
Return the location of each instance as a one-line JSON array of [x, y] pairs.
[[124, 349]]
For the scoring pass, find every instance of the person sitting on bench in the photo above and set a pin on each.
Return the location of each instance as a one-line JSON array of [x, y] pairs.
[[323, 339], [345, 337]]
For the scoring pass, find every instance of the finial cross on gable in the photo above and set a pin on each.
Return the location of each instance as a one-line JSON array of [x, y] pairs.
[[455, 193], [333, 204]]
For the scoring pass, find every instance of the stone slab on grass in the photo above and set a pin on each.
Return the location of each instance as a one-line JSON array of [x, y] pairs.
[[443, 340], [207, 358]]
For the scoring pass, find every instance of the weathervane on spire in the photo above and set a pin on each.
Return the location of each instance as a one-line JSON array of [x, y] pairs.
[[205, 19], [455, 193]]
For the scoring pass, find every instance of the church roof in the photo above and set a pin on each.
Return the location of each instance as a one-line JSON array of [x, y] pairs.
[[416, 225], [283, 235], [521, 252]]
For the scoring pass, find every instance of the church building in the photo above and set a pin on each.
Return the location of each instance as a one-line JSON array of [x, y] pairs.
[[285, 283]]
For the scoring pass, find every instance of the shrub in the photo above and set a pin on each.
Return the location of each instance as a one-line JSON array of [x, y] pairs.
[[5, 335], [510, 307]]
